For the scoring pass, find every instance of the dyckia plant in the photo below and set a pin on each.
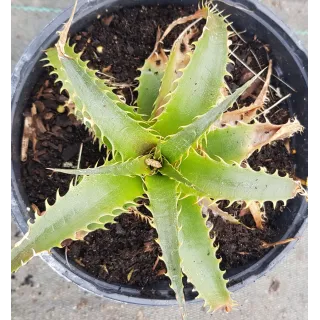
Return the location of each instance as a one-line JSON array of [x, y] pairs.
[[179, 146]]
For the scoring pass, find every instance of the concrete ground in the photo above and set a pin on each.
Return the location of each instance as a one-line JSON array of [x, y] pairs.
[[282, 294]]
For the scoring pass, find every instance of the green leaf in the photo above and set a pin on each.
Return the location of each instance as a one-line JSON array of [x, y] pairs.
[[149, 82], [236, 143], [98, 107], [223, 181], [92, 199], [178, 144], [199, 86], [198, 257], [162, 193], [96, 226], [133, 167], [186, 186], [152, 73], [178, 60]]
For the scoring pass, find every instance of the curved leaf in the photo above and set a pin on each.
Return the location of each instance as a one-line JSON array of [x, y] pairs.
[[93, 198], [236, 143], [98, 107], [133, 167], [246, 114], [198, 257], [152, 72], [179, 143], [162, 193], [223, 181], [150, 81], [200, 84], [178, 59]]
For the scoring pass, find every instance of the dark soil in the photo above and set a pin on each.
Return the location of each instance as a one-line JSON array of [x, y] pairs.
[[127, 252]]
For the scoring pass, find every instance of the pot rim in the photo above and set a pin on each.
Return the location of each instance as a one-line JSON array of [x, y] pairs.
[[76, 275]]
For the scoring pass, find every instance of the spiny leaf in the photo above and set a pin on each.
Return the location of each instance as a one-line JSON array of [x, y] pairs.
[[98, 107], [179, 143], [162, 193], [198, 257], [262, 97], [150, 80], [93, 198], [61, 44], [152, 72], [178, 60], [63, 34], [246, 114], [110, 218], [199, 86], [132, 167], [95, 226], [238, 142], [223, 181]]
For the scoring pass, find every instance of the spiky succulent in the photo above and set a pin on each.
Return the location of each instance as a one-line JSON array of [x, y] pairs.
[[179, 146]]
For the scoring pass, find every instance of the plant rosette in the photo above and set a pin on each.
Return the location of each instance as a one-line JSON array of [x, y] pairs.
[[182, 148]]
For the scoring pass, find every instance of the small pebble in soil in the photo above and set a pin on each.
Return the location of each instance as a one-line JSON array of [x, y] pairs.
[[61, 109], [100, 49]]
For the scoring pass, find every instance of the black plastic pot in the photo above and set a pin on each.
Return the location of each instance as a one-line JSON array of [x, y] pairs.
[[290, 64]]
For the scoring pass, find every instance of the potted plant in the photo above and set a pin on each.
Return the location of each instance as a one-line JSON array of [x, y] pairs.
[[179, 151]]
